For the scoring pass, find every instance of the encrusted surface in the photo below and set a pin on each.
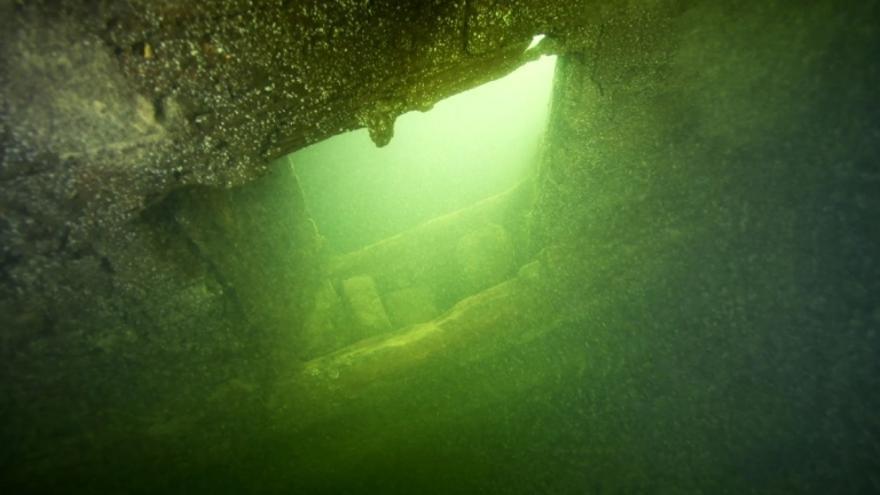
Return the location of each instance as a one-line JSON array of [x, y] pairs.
[[124, 126], [708, 211]]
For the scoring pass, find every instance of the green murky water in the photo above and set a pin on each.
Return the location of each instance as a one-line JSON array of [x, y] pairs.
[[647, 265], [466, 148]]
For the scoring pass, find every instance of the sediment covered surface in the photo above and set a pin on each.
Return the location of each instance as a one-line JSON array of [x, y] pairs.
[[688, 305]]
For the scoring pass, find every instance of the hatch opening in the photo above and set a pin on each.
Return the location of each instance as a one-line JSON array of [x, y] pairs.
[[468, 147]]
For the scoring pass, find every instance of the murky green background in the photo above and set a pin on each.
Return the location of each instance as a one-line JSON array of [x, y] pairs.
[[667, 284]]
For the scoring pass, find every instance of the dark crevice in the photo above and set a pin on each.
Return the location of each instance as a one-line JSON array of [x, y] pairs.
[[159, 109]]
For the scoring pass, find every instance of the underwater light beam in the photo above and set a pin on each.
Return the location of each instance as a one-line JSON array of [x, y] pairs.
[[468, 147], [536, 40]]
